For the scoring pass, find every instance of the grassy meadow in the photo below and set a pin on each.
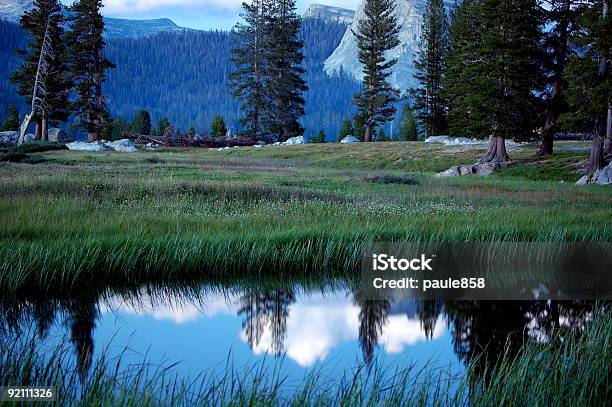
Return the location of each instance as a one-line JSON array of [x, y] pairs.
[[76, 218]]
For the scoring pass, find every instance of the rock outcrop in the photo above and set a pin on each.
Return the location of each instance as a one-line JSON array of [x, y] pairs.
[[349, 140], [58, 135], [329, 13], [600, 177], [121, 146], [410, 18], [482, 170], [295, 140]]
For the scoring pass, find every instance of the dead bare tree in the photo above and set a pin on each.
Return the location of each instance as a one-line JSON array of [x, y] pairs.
[[39, 91]]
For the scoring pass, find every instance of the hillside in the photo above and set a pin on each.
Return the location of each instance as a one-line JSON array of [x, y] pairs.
[[184, 75], [12, 10]]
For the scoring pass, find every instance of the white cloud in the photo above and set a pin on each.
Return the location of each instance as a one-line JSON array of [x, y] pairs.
[[316, 325], [166, 309], [132, 7]]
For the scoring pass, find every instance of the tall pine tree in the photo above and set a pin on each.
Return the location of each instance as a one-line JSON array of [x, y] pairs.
[[430, 68], [284, 80], [560, 15], [501, 72], [376, 34], [465, 118], [590, 81], [250, 61], [88, 65], [43, 76]]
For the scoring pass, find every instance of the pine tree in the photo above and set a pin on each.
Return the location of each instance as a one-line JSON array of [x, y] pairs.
[[142, 123], [218, 127], [162, 125], [561, 15], [408, 126], [43, 79], [117, 128], [11, 122], [320, 137], [376, 34], [88, 65], [359, 131], [590, 81], [284, 78], [464, 116], [501, 73], [346, 130], [249, 58], [430, 68]]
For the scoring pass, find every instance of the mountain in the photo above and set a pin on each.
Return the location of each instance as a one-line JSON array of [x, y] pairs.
[[123, 28], [329, 13], [410, 18], [12, 10]]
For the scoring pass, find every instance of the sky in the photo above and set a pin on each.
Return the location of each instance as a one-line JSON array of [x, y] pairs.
[[201, 14]]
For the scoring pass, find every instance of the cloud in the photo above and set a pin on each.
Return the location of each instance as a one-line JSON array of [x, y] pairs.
[[168, 309], [134, 7], [316, 325]]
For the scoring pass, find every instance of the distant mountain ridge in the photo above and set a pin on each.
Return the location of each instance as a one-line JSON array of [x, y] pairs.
[[330, 13], [12, 10]]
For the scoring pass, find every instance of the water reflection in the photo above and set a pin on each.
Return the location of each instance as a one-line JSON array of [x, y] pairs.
[[305, 324]]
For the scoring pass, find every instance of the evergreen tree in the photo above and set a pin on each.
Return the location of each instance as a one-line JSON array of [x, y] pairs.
[[117, 128], [346, 130], [191, 132], [380, 135], [284, 78], [590, 81], [502, 73], [320, 137], [11, 123], [430, 68], [88, 65], [50, 104], [218, 127], [359, 129], [376, 34], [249, 58], [561, 15], [465, 118], [162, 125], [142, 123], [408, 126]]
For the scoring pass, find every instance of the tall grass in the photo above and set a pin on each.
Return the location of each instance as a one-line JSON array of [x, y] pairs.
[[571, 371], [83, 218]]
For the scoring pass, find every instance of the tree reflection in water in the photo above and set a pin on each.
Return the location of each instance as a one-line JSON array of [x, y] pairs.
[[266, 309], [481, 331]]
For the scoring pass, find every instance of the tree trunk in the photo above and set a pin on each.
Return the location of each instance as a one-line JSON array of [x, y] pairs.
[[44, 130], [553, 111], [38, 130], [608, 142], [368, 133], [93, 135], [597, 162], [496, 151], [552, 116]]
